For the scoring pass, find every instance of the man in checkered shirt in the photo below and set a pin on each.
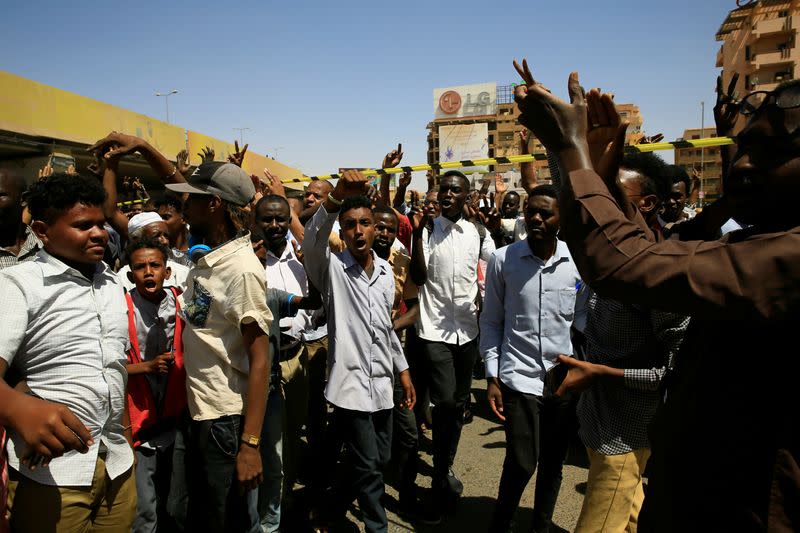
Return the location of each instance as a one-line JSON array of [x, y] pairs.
[[629, 349]]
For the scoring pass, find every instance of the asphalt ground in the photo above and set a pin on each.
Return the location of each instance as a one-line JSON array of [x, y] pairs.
[[479, 464]]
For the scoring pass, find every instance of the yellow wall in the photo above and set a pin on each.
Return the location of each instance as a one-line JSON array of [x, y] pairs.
[[34, 109]]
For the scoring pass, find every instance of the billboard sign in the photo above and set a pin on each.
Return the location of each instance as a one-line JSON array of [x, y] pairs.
[[460, 142], [465, 100]]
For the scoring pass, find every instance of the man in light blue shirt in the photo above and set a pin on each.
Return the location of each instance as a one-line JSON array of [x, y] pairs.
[[533, 297], [358, 291]]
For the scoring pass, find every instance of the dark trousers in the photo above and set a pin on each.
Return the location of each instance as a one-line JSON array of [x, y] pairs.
[[215, 504], [537, 432], [450, 382], [161, 487], [405, 446], [367, 438]]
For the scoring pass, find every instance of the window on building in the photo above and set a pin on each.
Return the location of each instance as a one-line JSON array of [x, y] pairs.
[[695, 137], [783, 14], [747, 53]]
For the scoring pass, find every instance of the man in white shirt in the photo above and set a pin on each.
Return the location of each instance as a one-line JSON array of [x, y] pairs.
[[65, 333], [445, 266], [532, 300], [358, 291]]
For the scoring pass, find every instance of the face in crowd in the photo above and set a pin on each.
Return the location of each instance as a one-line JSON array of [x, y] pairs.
[[157, 231], [358, 231], [431, 207], [675, 203], [173, 218], [148, 271], [510, 206], [272, 218], [764, 180], [453, 191], [316, 193], [77, 234], [385, 232], [542, 219]]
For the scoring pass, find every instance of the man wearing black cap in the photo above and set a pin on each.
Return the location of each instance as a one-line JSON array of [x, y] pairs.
[[227, 356]]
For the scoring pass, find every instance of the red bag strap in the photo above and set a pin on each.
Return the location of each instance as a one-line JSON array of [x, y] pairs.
[[134, 355], [177, 342]]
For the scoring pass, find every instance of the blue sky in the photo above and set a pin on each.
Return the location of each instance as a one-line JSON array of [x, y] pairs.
[[332, 84]]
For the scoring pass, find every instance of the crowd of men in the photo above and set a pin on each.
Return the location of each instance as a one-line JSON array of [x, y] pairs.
[[182, 368]]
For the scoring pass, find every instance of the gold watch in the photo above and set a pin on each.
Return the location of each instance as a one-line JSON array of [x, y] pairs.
[[251, 440]]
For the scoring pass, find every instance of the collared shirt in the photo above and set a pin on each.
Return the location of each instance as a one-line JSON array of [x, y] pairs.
[[529, 308], [614, 415], [225, 290], [176, 279], [67, 336], [288, 274], [404, 288], [27, 251], [364, 350], [447, 310]]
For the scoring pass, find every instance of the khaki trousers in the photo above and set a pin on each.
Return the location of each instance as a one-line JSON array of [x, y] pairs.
[[614, 493], [108, 506]]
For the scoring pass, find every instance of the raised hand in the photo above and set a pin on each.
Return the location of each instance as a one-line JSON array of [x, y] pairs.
[[46, 171], [558, 124], [606, 134], [414, 200], [726, 109], [418, 219], [115, 145], [485, 186], [237, 157], [393, 158], [182, 162], [405, 180], [206, 155], [274, 185], [352, 183], [95, 168], [524, 137], [499, 184], [493, 219], [431, 177]]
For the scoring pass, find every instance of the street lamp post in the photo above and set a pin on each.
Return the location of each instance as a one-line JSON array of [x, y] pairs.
[[166, 100], [241, 137]]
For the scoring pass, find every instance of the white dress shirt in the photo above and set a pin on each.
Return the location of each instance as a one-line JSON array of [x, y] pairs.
[[288, 274], [364, 350], [529, 307], [67, 336], [447, 310]]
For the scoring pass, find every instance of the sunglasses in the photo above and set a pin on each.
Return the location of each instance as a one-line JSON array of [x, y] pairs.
[[786, 99]]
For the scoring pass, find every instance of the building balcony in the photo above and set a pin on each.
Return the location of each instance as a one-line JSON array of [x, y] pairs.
[[774, 26], [776, 58]]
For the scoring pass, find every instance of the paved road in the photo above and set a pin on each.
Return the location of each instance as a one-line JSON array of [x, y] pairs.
[[478, 465]]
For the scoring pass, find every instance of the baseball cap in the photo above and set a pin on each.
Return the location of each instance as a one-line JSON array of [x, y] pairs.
[[225, 180]]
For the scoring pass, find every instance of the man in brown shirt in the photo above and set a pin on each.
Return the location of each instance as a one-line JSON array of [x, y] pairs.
[[726, 443]]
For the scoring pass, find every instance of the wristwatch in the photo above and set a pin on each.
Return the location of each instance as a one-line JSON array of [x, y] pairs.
[[251, 440]]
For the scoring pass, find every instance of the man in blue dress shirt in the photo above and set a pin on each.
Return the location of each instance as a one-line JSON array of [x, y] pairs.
[[533, 296]]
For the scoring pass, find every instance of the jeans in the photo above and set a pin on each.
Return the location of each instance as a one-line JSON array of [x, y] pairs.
[[155, 484], [215, 504], [368, 440], [450, 382], [538, 431], [269, 493]]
